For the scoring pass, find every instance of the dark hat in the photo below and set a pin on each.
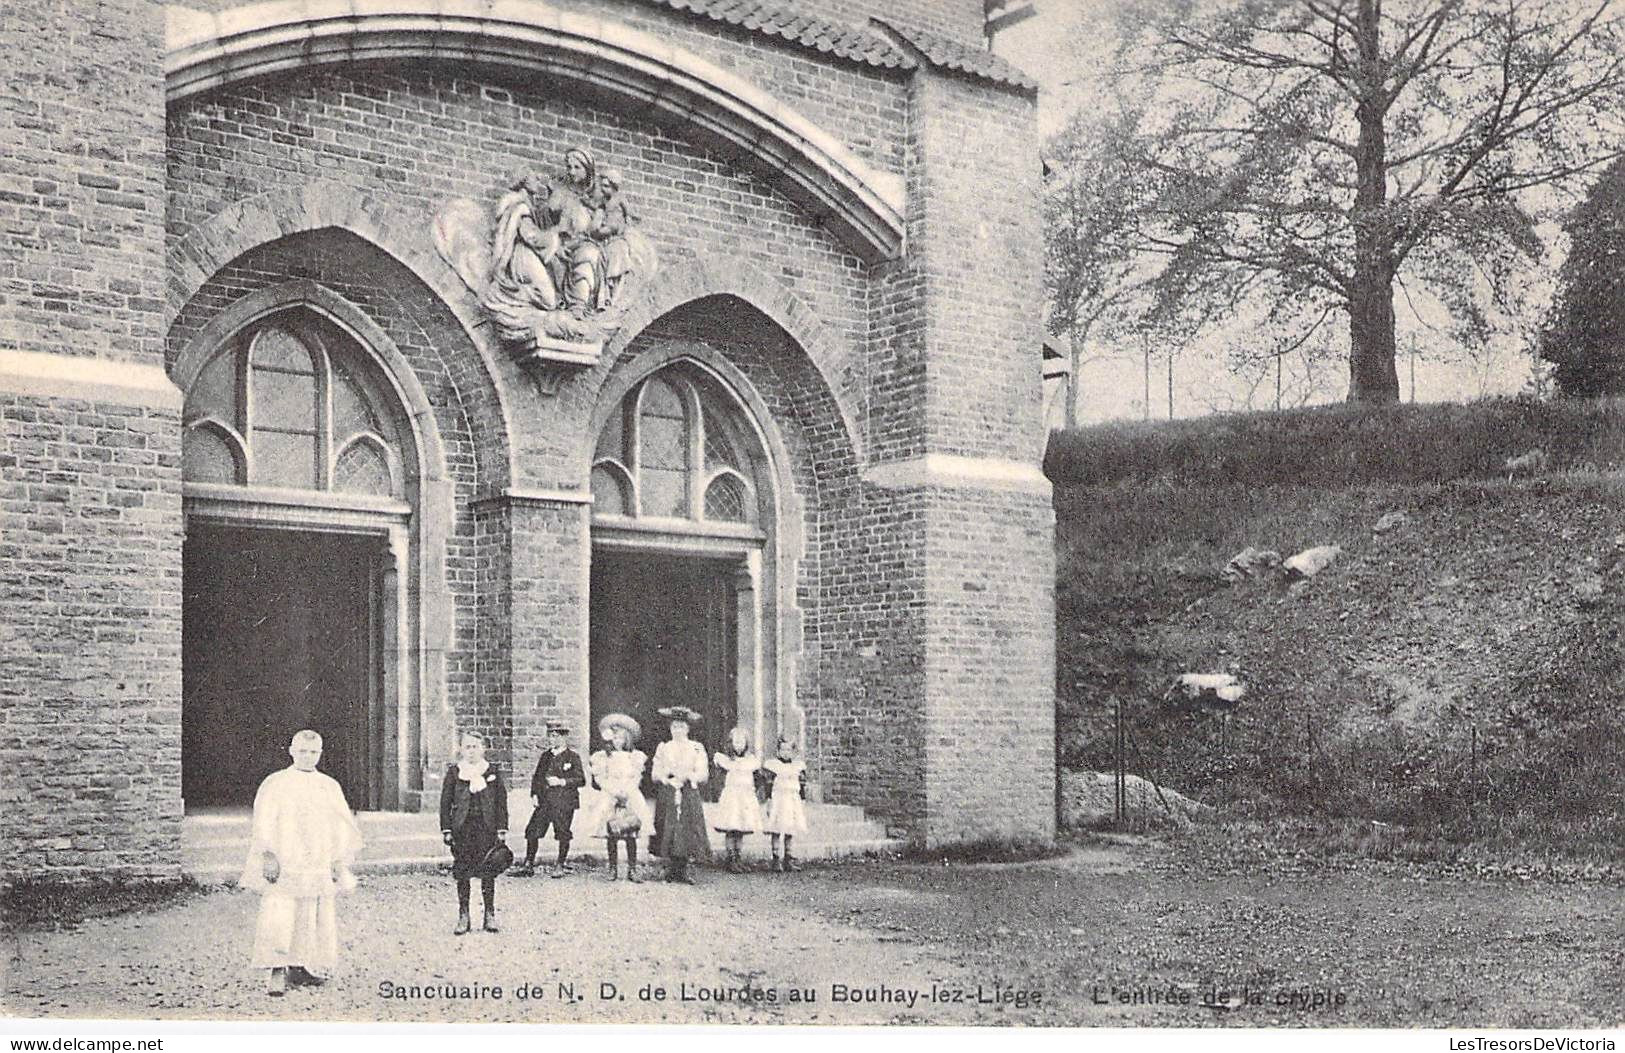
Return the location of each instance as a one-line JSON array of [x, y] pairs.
[[683, 713], [556, 728], [497, 861]]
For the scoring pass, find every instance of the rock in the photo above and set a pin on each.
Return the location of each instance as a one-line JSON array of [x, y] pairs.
[[1588, 587], [1312, 561], [1250, 562], [1531, 462], [1087, 799], [1208, 690], [1390, 521]]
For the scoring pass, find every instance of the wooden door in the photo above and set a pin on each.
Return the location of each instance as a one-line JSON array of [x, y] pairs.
[[663, 633], [278, 635]]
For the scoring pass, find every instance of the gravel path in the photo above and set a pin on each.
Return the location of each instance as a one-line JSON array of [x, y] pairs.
[[1126, 932], [708, 942]]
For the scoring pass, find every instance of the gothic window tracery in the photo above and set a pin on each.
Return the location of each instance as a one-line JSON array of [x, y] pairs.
[[287, 403], [675, 449]]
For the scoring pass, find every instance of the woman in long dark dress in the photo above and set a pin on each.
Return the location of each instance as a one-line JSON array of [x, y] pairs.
[[473, 819], [680, 767]]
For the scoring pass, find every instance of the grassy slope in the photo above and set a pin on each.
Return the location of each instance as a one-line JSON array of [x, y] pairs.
[[1366, 688]]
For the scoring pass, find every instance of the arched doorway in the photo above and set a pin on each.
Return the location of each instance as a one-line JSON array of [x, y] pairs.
[[302, 476], [684, 526]]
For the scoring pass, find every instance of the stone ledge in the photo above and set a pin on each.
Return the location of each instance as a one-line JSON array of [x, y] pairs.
[[533, 496], [40, 374], [951, 471]]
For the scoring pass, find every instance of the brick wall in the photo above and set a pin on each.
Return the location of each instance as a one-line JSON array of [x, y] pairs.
[[956, 320], [547, 623], [90, 551], [917, 602], [81, 117], [968, 585], [416, 139], [990, 666], [934, 351], [90, 582]]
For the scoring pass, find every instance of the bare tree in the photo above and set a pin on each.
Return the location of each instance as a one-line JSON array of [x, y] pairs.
[[1090, 260], [1314, 152]]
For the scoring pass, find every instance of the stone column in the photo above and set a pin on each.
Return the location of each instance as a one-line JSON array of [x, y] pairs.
[[90, 501]]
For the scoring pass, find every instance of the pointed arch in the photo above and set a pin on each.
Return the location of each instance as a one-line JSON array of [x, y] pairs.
[[684, 281], [319, 204], [593, 56]]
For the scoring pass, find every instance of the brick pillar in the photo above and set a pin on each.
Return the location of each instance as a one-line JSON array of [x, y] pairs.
[[533, 623], [956, 433], [90, 502]]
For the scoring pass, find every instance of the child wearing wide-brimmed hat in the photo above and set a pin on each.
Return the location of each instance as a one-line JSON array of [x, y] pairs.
[[680, 767], [621, 813]]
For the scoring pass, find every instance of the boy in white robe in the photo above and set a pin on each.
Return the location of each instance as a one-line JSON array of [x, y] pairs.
[[304, 842]]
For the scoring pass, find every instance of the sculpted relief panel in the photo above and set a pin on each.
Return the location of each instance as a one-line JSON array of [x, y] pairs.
[[554, 263]]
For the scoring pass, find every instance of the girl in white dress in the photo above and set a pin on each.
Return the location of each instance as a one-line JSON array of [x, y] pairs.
[[620, 813], [738, 812], [785, 815]]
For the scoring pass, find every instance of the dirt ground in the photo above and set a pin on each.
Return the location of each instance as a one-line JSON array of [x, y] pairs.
[[1110, 933]]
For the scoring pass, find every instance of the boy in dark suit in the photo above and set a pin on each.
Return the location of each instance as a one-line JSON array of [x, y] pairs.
[[555, 791]]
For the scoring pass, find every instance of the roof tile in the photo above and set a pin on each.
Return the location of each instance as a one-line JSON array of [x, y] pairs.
[[786, 23], [943, 53]]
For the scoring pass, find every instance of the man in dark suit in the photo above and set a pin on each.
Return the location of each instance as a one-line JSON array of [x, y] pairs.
[[555, 793]]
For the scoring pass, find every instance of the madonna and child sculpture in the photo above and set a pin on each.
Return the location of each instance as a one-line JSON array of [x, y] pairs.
[[554, 265]]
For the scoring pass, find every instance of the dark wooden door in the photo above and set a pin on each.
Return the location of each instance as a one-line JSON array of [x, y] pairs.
[[664, 633], [277, 635]]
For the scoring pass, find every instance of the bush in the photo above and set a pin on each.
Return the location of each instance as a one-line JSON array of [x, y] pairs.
[[1343, 445], [49, 904]]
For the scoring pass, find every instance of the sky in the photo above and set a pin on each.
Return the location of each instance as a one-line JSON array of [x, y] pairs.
[[1063, 47]]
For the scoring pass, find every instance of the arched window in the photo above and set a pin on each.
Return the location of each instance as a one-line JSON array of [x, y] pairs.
[[288, 403], [676, 450]]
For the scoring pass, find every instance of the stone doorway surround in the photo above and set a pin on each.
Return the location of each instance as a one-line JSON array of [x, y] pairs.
[[413, 603]]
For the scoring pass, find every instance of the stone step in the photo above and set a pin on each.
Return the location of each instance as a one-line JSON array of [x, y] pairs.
[[214, 844], [215, 873], [229, 852]]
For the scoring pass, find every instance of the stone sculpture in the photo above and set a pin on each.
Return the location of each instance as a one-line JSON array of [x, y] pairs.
[[555, 263]]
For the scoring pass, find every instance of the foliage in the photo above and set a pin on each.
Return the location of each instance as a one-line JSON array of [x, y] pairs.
[[37, 904], [1310, 155], [1365, 690], [1585, 337], [1343, 445]]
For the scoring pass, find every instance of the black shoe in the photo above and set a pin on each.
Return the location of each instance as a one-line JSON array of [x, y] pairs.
[[490, 924], [463, 924], [524, 870], [299, 976]]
